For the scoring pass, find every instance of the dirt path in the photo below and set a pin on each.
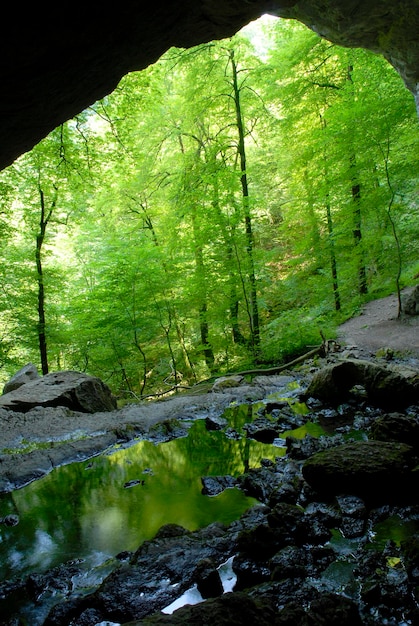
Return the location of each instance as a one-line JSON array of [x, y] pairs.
[[378, 327]]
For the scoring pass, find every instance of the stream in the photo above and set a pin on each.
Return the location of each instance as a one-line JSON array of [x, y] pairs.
[[88, 512]]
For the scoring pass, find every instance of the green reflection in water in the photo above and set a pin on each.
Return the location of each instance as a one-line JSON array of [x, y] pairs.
[[309, 428], [395, 529], [83, 510]]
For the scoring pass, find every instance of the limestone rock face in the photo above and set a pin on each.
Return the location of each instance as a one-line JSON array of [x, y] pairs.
[[54, 62], [73, 390]]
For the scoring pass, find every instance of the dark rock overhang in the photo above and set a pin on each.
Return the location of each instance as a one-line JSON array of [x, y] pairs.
[[58, 59]]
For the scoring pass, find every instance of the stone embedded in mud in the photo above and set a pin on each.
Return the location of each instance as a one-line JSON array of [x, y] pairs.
[[374, 470], [74, 390], [390, 388]]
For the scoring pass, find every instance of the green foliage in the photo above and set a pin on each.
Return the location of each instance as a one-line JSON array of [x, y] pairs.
[[147, 266]]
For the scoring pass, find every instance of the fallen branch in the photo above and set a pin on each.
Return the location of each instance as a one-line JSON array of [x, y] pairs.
[[280, 368], [322, 349]]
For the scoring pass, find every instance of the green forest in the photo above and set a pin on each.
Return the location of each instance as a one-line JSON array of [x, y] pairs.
[[219, 210]]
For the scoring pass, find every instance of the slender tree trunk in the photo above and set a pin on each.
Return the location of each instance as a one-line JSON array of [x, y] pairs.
[[357, 221], [203, 307], [170, 309], [394, 229], [332, 253], [143, 354], [330, 230], [42, 338], [228, 236], [255, 326]]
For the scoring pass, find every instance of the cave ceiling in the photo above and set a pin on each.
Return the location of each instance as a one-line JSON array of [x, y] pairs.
[[57, 60]]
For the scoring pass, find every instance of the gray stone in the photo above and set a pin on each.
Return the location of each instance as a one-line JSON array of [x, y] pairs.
[[23, 376], [227, 382], [388, 387], [75, 390], [410, 304]]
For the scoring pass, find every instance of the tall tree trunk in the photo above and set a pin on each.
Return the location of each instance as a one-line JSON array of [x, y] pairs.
[[148, 223], [43, 223], [330, 230], [357, 221], [332, 254], [228, 236], [202, 295], [357, 228], [255, 326]]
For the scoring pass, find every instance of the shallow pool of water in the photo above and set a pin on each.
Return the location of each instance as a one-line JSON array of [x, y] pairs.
[[116, 501]]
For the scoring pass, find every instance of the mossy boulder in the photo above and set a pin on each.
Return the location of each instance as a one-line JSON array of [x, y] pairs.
[[377, 471]]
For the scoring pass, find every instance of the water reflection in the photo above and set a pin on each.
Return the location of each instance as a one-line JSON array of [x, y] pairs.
[[82, 510]]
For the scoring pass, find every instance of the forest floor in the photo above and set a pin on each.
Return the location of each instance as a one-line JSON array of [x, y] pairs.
[[378, 327]]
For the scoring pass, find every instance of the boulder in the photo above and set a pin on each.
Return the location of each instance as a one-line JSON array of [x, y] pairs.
[[410, 304], [377, 471], [388, 387], [74, 390], [396, 427], [228, 610], [23, 376]]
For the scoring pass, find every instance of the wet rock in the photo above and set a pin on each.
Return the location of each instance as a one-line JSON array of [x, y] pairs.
[[167, 431], [23, 376], [396, 427], [334, 610], [290, 562], [231, 609], [158, 573], [213, 422], [10, 520], [262, 429], [410, 549], [260, 542], [354, 516], [351, 506], [292, 614], [17, 470], [208, 579], [213, 485], [134, 483], [259, 483], [282, 526], [300, 449], [374, 470], [250, 572], [319, 518], [388, 387], [73, 390]]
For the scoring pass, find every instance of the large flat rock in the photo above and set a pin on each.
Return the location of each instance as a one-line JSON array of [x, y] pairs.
[[74, 390]]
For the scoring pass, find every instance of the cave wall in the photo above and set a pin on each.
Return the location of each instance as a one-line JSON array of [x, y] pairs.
[[57, 60]]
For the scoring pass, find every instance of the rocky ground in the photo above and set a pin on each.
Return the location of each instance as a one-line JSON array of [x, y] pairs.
[[307, 553]]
